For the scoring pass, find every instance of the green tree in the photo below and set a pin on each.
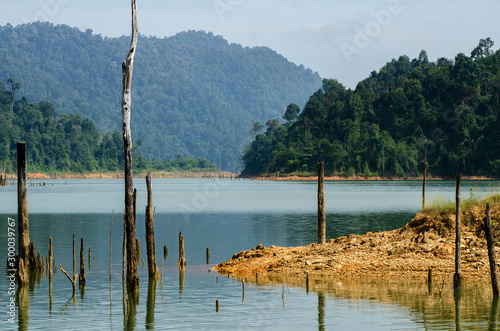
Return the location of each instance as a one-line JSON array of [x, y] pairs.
[[291, 113]]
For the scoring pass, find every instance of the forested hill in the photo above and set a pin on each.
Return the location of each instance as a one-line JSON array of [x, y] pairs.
[[68, 143], [193, 93], [448, 108]]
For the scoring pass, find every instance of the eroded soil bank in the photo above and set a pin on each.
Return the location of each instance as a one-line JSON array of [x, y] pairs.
[[425, 242]]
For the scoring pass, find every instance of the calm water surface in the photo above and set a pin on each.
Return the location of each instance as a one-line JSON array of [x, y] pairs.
[[227, 216]]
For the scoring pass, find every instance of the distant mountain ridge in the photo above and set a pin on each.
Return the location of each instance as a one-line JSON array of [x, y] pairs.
[[193, 93]]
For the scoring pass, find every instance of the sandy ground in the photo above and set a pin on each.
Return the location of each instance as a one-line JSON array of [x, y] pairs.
[[407, 253]]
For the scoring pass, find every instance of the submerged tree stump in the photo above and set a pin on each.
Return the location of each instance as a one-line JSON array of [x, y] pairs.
[[32, 260], [81, 279], [22, 274], [321, 204], [491, 251], [182, 257], [150, 231], [23, 231], [50, 259]]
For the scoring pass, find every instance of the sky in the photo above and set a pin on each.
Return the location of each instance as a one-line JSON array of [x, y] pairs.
[[345, 40]]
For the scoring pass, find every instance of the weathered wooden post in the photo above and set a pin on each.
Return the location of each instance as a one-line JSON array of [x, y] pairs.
[[23, 229], [457, 277], [321, 204], [81, 278], [150, 232], [127, 70], [424, 179], [208, 255], [491, 251], [165, 252], [182, 257]]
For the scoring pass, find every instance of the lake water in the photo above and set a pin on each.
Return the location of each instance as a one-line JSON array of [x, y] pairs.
[[227, 217]]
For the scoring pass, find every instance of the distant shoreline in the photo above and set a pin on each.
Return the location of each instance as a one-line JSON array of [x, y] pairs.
[[112, 175], [226, 174], [366, 178]]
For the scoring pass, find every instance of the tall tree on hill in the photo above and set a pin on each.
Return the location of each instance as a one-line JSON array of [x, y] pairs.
[[14, 86]]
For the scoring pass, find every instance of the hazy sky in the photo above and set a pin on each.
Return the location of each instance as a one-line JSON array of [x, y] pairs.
[[345, 40]]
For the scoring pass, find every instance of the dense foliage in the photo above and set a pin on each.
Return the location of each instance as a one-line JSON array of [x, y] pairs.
[[67, 143], [193, 93], [449, 109]]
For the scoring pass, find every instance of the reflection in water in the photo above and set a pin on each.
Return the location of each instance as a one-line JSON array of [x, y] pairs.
[[428, 307], [494, 313], [458, 299], [23, 304], [71, 302], [151, 302], [182, 270], [82, 292], [231, 230], [130, 317], [321, 311], [124, 302], [50, 298], [110, 303]]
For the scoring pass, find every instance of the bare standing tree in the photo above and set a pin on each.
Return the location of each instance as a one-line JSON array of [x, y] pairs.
[[127, 69]]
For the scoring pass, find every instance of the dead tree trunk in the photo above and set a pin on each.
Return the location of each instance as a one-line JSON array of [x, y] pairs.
[[457, 277], [150, 232], [491, 251], [321, 204], [22, 206], [182, 255], [127, 70], [81, 278], [51, 258], [32, 257]]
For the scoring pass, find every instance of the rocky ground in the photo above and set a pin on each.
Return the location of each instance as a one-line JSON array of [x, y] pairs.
[[427, 242]]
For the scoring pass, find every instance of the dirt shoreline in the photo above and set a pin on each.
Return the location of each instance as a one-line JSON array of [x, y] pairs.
[[365, 178], [407, 253], [98, 175]]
